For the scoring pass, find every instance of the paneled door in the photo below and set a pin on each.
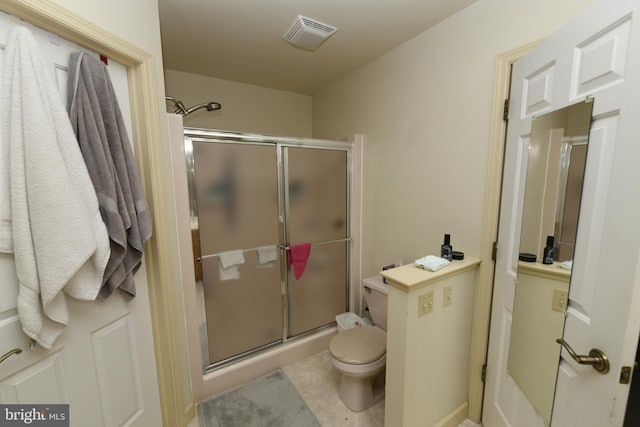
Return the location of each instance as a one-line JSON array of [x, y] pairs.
[[595, 55], [103, 365]]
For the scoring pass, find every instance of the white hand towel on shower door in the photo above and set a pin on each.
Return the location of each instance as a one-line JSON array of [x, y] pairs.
[[267, 255], [229, 262]]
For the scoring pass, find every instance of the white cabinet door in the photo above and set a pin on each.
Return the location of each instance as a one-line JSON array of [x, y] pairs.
[[103, 365], [596, 54]]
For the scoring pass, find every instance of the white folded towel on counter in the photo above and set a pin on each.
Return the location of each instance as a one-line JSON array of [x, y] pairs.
[[432, 262], [567, 265]]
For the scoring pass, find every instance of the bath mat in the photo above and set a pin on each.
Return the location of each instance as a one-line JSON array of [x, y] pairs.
[[270, 401]]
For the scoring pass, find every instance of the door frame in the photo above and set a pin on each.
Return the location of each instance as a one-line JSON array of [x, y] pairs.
[[491, 217], [162, 274]]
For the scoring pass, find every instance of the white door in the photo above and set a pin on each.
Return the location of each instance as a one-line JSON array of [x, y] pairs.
[[596, 54], [103, 365]]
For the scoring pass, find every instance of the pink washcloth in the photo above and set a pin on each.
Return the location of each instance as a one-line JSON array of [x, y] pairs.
[[298, 256]]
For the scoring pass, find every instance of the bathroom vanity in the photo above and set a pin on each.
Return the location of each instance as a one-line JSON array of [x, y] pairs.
[[428, 344]]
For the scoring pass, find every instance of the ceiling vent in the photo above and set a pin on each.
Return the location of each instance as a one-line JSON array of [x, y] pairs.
[[307, 33]]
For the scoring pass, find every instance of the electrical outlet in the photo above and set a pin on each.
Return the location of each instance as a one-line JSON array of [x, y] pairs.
[[447, 295], [559, 300], [425, 303]]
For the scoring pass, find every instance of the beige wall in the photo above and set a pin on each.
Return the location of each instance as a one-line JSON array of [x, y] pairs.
[[424, 109], [245, 108]]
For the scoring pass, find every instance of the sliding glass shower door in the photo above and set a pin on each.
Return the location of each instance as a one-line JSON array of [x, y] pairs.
[[317, 213], [237, 209], [250, 197]]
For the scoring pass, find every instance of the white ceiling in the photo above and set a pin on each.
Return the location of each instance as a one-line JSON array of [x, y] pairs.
[[241, 40]]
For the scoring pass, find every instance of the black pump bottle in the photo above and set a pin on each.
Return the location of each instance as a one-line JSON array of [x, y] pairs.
[[547, 257], [446, 250]]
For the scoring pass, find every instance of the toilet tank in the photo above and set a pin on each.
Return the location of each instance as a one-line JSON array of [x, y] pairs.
[[375, 295]]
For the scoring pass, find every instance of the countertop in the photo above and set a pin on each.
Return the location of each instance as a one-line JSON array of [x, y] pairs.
[[552, 271], [410, 277]]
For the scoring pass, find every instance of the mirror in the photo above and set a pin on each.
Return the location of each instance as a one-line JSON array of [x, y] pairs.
[[555, 170]]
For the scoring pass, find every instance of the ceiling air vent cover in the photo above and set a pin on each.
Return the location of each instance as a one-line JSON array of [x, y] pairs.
[[307, 33]]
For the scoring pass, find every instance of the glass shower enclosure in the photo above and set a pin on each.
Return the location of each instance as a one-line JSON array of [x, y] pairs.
[[255, 203]]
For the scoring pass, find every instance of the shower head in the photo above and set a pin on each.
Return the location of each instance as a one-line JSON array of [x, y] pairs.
[[180, 108], [210, 106], [184, 111]]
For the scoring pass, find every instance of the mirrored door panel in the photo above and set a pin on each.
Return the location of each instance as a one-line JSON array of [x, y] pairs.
[[555, 174], [317, 213]]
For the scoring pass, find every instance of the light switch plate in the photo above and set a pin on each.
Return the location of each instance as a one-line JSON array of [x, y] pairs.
[[425, 303], [447, 295], [559, 300]]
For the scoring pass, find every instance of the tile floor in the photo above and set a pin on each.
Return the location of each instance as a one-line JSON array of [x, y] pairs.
[[317, 382]]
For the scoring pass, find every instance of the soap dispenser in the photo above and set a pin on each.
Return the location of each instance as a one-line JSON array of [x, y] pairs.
[[547, 257], [446, 250]]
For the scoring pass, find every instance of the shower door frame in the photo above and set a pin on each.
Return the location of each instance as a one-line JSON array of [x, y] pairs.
[[192, 135]]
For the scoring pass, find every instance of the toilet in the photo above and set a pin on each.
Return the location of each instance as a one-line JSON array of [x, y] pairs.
[[360, 353]]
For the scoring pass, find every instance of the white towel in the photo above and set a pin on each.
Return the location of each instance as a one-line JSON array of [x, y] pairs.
[[229, 262], [227, 259], [432, 262], [267, 255], [49, 211]]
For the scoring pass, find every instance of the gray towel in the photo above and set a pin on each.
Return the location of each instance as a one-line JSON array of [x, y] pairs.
[[99, 126]]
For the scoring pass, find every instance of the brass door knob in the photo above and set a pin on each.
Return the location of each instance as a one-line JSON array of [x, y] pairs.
[[9, 354], [596, 358]]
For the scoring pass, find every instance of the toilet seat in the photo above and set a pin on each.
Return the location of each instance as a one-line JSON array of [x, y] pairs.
[[359, 346]]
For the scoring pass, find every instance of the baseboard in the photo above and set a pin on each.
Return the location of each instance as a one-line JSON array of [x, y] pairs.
[[457, 416]]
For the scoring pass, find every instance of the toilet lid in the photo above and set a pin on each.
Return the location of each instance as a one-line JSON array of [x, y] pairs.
[[359, 346]]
